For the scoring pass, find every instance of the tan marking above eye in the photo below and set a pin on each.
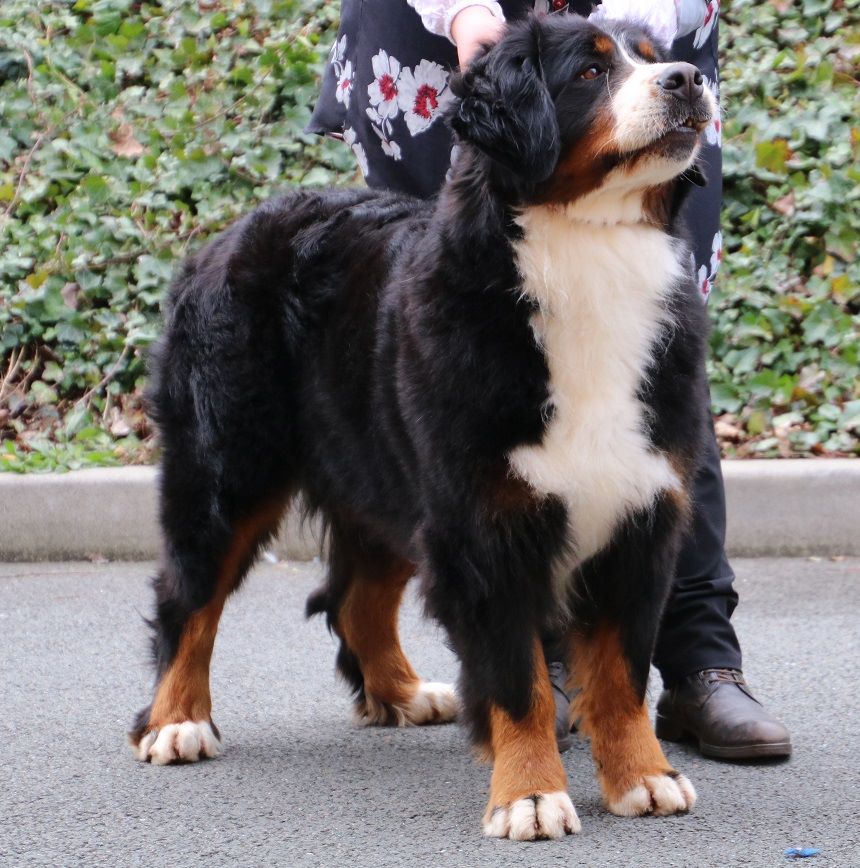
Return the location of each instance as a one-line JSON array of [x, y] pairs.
[[604, 44], [646, 49]]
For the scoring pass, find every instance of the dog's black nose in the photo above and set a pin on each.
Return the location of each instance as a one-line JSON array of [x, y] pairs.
[[682, 80]]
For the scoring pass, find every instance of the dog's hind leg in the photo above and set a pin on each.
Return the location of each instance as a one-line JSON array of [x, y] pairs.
[[191, 590], [222, 392], [362, 600]]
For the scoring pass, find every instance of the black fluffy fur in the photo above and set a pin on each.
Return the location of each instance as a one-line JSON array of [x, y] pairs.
[[373, 352]]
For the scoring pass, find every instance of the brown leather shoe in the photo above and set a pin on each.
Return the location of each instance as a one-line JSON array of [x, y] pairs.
[[715, 708]]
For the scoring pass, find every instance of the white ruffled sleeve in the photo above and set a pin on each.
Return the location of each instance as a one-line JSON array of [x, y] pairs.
[[691, 15], [659, 16], [437, 15], [667, 19]]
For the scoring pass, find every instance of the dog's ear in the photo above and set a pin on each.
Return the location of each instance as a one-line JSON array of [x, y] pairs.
[[505, 108]]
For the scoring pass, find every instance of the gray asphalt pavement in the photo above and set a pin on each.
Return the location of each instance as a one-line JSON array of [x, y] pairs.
[[300, 785]]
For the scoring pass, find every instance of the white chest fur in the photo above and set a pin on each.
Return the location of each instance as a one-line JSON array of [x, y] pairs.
[[602, 292]]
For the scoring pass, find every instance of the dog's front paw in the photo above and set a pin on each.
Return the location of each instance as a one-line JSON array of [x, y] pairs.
[[544, 815], [184, 742], [661, 795]]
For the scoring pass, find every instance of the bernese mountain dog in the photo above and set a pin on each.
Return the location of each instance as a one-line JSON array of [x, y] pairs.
[[500, 390]]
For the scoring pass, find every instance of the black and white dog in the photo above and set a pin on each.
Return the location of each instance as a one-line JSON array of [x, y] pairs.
[[500, 390]]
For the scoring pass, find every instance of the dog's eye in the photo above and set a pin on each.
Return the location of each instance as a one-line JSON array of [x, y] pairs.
[[593, 71]]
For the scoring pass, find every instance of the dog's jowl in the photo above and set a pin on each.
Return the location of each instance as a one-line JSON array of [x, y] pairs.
[[499, 390]]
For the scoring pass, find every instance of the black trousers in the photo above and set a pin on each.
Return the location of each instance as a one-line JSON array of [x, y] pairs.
[[696, 632]]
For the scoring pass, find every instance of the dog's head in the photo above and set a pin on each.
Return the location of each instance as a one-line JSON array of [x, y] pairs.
[[565, 108]]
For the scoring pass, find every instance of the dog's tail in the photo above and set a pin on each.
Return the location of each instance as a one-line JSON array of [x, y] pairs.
[[236, 316], [223, 386]]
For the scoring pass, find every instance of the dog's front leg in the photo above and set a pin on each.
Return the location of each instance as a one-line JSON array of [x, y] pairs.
[[635, 776], [528, 789], [488, 578], [610, 658]]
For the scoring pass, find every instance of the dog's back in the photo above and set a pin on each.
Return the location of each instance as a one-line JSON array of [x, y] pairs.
[[244, 318]]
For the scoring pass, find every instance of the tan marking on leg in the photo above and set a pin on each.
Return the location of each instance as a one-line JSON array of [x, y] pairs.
[[367, 623], [623, 743], [182, 693], [525, 756], [528, 789]]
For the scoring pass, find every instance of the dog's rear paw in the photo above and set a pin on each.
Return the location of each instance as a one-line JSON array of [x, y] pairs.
[[433, 702], [656, 794], [546, 815], [178, 743]]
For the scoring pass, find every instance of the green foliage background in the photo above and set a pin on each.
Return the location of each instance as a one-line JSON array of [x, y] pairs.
[[131, 130]]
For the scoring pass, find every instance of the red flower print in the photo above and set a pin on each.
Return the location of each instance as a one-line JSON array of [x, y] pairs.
[[423, 94], [383, 91], [426, 101]]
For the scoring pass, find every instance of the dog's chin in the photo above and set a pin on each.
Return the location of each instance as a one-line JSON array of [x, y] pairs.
[[674, 139], [668, 155], [678, 144]]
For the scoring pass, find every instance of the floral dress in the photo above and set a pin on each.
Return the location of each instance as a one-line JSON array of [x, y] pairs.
[[385, 91]]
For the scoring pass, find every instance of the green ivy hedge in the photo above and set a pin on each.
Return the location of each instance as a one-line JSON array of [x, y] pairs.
[[786, 342], [129, 131]]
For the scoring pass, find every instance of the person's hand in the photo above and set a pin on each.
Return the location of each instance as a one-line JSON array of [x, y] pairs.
[[473, 27]]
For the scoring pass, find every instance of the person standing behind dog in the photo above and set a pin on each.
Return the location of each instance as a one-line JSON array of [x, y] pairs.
[[384, 93]]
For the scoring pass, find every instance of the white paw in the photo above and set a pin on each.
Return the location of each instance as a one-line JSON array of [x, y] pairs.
[[178, 742], [550, 815], [433, 702], [656, 794]]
